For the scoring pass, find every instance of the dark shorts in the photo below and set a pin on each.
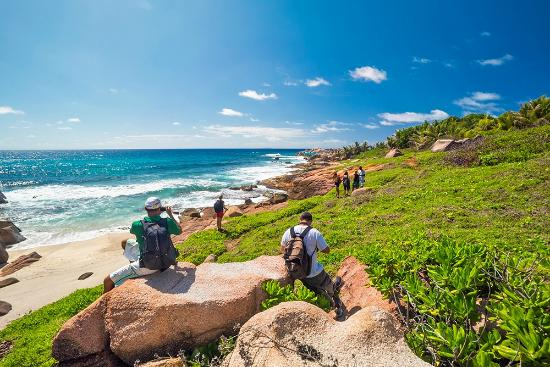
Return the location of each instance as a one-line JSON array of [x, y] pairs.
[[320, 284]]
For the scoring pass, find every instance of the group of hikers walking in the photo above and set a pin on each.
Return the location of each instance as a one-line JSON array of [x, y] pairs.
[[153, 251], [349, 184]]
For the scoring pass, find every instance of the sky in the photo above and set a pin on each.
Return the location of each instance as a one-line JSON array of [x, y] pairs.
[[258, 74]]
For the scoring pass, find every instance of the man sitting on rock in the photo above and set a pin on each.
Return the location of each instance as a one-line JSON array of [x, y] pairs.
[[314, 277], [156, 251]]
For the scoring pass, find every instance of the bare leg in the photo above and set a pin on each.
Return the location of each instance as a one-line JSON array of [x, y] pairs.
[[108, 284], [219, 223]]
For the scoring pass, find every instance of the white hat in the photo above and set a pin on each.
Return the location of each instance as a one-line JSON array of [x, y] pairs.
[[152, 203]]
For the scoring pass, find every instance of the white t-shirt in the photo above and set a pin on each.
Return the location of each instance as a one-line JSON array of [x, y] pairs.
[[313, 241]]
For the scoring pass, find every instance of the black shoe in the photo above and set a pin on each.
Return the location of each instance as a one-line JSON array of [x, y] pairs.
[[337, 284], [339, 313]]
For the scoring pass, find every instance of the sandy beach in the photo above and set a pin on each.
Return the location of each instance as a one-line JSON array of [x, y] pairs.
[[56, 274]]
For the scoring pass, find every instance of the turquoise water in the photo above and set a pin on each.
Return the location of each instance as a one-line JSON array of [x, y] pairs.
[[62, 196]]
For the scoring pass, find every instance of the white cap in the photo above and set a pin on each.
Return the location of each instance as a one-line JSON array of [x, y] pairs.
[[152, 203]]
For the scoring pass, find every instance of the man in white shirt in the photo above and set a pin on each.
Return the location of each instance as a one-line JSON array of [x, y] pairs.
[[318, 280]]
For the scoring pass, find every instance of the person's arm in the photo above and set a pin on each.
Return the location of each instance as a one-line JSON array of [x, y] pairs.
[[174, 227], [284, 240], [321, 243]]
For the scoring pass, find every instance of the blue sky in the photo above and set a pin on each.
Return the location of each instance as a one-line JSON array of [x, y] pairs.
[[187, 74]]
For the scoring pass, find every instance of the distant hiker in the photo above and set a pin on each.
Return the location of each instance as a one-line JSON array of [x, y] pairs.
[[361, 173], [337, 181], [355, 181], [219, 209], [346, 183], [155, 251], [299, 246]]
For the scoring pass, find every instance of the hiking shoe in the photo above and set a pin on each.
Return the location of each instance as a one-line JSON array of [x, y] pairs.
[[339, 313], [337, 284]]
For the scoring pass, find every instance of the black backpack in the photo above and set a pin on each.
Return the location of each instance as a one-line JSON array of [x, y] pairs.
[[297, 260], [158, 251], [218, 206]]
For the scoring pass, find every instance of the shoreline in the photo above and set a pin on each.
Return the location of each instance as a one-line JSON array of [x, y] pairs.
[[56, 274]]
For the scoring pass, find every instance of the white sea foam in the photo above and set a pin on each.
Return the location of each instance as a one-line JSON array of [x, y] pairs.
[[57, 214], [78, 192]]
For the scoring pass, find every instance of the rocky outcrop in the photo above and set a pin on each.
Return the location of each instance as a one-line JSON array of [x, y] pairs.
[[19, 263], [393, 153], [8, 281], [356, 292], [445, 145], [167, 362], [169, 311], [278, 197], [4, 256], [234, 211], [5, 308], [3, 199], [309, 183], [301, 334], [9, 233], [190, 212]]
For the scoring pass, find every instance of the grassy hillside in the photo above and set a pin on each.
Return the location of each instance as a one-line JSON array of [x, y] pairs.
[[456, 236]]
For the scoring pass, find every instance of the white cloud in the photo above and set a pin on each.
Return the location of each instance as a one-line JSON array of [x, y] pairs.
[[264, 84], [331, 126], [484, 96], [113, 90], [269, 133], [370, 126], [293, 123], [317, 82], [290, 83], [230, 112], [64, 128], [73, 119], [449, 65], [254, 119], [496, 62], [485, 34], [390, 119], [31, 136], [368, 74], [421, 60], [479, 102], [249, 93], [4, 110], [176, 123], [153, 136]]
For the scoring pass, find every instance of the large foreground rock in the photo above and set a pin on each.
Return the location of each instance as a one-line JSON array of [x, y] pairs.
[[9, 234], [167, 312], [300, 334]]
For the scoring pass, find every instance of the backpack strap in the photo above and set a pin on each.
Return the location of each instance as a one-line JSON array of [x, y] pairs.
[[305, 232], [292, 232]]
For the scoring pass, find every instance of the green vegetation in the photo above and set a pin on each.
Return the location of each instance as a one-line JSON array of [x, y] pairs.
[[276, 293], [531, 114], [33, 333], [457, 239]]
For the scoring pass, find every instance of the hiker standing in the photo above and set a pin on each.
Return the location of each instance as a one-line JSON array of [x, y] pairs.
[[219, 209], [355, 181], [361, 173], [337, 182], [346, 183], [299, 245], [155, 248]]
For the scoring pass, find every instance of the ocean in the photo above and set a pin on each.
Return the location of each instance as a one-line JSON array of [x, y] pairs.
[[63, 196]]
